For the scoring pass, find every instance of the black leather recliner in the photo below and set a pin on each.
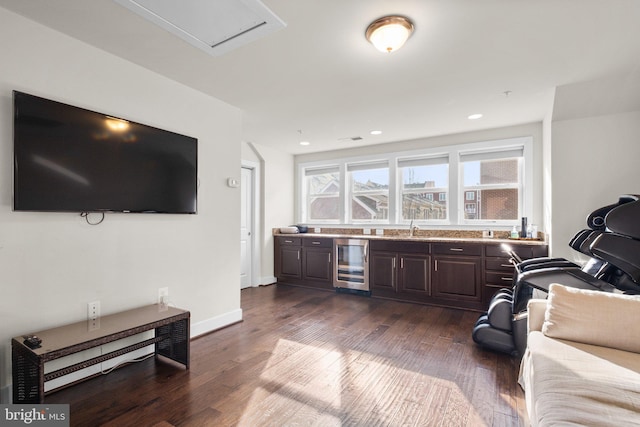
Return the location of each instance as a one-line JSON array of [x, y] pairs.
[[613, 244]]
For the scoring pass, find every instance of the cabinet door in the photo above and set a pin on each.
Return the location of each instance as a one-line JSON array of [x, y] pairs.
[[382, 275], [290, 262], [414, 274], [318, 265], [457, 277]]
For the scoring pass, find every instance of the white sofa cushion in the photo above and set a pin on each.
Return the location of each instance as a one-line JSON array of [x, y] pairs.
[[569, 383], [593, 317]]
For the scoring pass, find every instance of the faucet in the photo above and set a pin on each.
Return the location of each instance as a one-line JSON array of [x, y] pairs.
[[412, 228]]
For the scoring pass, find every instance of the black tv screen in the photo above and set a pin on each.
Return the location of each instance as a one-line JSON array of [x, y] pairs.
[[69, 159]]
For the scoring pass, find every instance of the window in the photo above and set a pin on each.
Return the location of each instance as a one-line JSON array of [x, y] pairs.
[[323, 194], [494, 180], [466, 184], [421, 179], [369, 191]]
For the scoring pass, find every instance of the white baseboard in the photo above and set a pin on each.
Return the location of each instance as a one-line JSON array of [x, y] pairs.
[[269, 280], [5, 394], [210, 325]]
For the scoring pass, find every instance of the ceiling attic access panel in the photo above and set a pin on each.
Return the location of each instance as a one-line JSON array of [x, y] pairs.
[[217, 27]]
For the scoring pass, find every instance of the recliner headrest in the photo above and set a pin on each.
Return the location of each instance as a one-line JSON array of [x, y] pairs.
[[625, 219], [596, 220]]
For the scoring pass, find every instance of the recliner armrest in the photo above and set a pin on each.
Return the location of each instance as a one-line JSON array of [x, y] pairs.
[[536, 309]]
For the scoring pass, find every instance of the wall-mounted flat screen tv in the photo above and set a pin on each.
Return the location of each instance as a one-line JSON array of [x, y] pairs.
[[68, 159]]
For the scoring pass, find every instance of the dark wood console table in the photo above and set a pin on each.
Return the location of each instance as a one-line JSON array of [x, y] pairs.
[[171, 340]]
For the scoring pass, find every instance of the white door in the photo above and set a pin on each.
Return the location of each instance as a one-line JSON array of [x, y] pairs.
[[246, 224]]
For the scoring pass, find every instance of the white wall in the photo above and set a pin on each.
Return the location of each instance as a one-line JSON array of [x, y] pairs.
[[595, 159], [52, 264]]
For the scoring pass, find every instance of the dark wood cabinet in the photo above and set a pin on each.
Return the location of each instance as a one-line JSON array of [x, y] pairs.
[[288, 257], [498, 269], [304, 261], [400, 270], [317, 263], [457, 277], [414, 275], [383, 273], [458, 274]]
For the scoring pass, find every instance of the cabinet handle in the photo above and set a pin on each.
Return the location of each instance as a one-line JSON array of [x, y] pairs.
[[436, 266], [329, 257], [315, 243], [298, 255], [401, 262], [456, 249], [394, 263], [507, 279], [506, 265], [288, 241]]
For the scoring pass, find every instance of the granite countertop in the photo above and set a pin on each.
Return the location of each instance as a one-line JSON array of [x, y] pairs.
[[419, 237]]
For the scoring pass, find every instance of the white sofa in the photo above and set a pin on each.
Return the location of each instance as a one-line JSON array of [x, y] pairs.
[[582, 362]]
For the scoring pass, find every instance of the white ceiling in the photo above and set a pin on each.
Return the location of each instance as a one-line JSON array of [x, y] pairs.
[[319, 75]]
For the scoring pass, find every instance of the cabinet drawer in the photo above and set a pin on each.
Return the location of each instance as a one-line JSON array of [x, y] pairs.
[[317, 242], [400, 246], [496, 250], [497, 278], [457, 249], [523, 251], [499, 264], [289, 241]]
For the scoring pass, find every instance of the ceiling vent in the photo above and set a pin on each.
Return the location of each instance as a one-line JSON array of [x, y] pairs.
[[350, 138], [216, 27]]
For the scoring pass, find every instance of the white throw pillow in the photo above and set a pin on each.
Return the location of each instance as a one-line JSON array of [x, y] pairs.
[[593, 317]]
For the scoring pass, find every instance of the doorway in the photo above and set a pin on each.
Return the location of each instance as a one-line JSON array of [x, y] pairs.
[[247, 232]]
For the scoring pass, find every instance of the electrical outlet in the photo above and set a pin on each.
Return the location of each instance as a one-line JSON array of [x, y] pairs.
[[93, 310], [93, 315], [163, 297]]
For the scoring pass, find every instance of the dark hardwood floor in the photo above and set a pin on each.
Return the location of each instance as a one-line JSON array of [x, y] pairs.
[[311, 358]]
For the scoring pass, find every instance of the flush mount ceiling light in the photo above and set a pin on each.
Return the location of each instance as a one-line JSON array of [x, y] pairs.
[[389, 33]]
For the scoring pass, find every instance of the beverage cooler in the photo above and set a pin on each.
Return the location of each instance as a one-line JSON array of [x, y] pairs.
[[351, 264]]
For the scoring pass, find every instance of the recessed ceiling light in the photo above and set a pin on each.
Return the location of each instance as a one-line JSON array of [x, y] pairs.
[[474, 116], [304, 143], [376, 132]]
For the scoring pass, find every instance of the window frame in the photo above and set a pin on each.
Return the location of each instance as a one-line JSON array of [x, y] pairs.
[[360, 166], [425, 159], [454, 197], [327, 168], [497, 152]]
